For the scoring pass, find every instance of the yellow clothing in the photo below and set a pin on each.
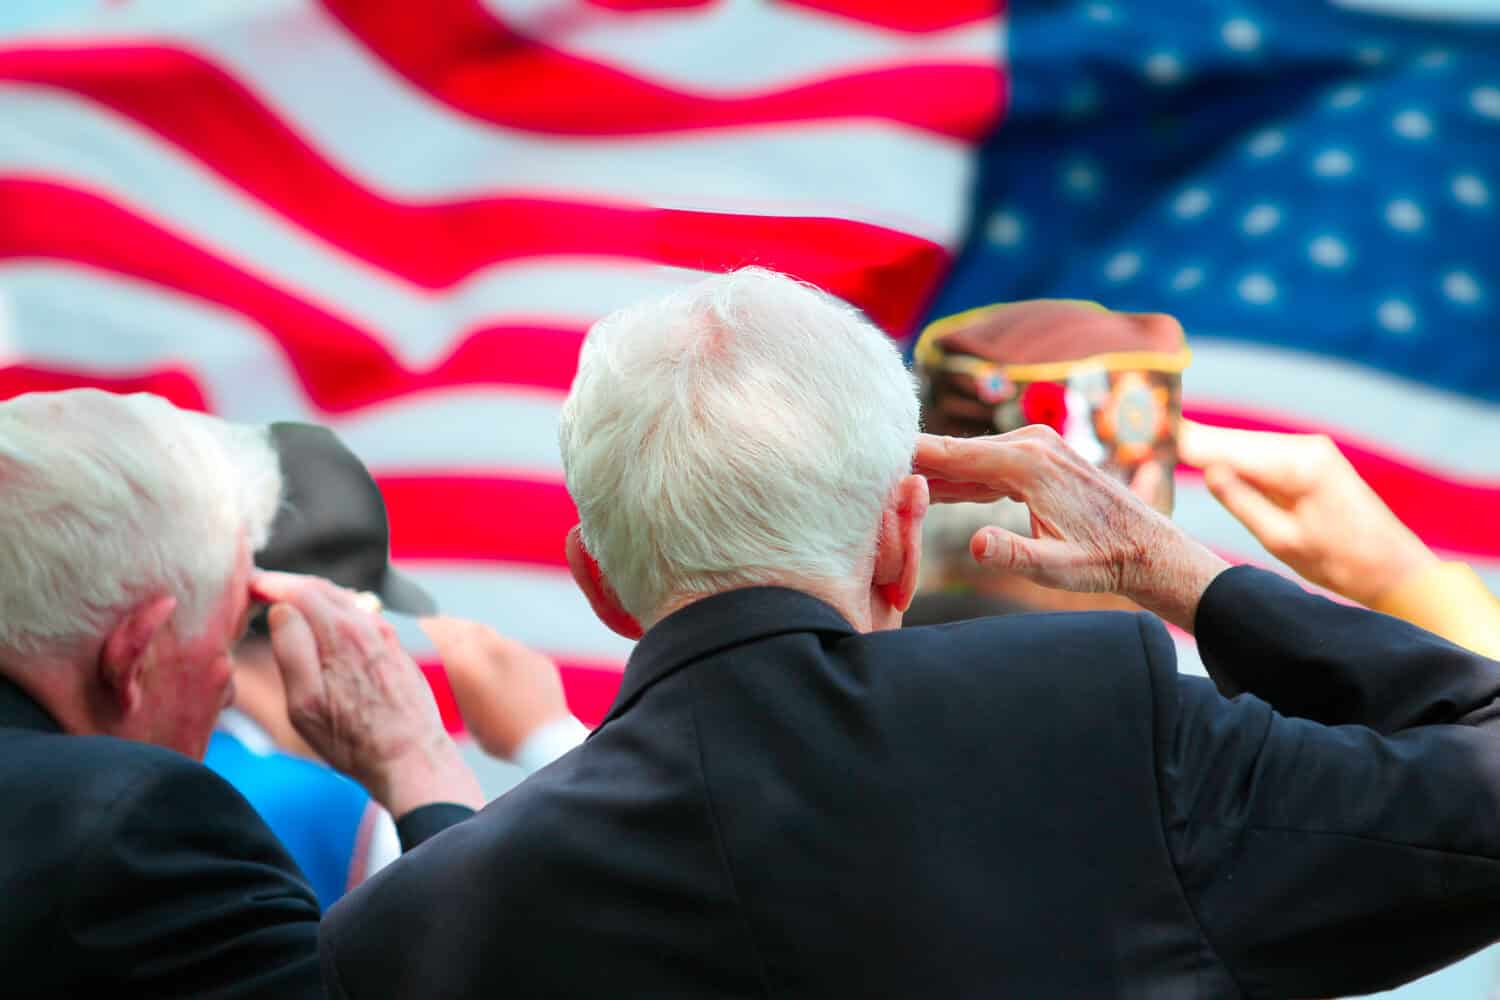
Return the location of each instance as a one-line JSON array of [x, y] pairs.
[[1448, 599]]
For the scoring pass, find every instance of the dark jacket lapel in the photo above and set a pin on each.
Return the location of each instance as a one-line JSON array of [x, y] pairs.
[[19, 710], [717, 623]]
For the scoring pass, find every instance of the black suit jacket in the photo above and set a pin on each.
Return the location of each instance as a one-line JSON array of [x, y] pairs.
[[1032, 806], [127, 870]]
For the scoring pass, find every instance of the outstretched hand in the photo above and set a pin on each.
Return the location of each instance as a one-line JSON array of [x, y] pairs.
[[1090, 533], [1303, 501], [356, 697], [505, 689]]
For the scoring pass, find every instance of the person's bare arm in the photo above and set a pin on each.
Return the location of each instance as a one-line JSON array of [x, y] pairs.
[[510, 695], [359, 700], [1090, 532], [1304, 502]]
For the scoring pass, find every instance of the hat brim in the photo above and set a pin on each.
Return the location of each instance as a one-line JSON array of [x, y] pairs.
[[403, 595]]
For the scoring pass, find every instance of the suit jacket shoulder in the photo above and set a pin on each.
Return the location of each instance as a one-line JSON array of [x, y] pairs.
[[132, 870], [930, 780], [1033, 806], [780, 806]]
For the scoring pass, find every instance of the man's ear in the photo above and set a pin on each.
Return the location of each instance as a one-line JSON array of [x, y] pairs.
[[898, 552], [596, 588], [125, 654]]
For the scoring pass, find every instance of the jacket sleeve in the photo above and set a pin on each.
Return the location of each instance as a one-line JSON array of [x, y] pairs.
[[1328, 860], [425, 822], [1335, 664], [182, 891], [1449, 599]]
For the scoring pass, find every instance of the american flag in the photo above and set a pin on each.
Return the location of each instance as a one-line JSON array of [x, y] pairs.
[[1313, 188], [400, 218]]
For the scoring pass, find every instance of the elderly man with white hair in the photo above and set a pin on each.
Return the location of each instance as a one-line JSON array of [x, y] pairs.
[[127, 529], [791, 797]]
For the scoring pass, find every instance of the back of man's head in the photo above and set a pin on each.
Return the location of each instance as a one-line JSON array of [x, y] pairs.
[[109, 499], [747, 429]]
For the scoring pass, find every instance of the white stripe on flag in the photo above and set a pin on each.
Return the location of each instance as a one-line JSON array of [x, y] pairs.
[[684, 47]]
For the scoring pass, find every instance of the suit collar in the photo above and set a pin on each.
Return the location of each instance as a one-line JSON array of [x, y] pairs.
[[19, 710], [716, 623]]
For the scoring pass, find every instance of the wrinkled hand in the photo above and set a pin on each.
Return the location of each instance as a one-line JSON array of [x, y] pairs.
[[1303, 501], [1089, 532], [505, 690], [356, 697]]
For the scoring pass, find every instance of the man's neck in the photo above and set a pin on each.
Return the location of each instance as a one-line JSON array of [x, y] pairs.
[[18, 709], [840, 596]]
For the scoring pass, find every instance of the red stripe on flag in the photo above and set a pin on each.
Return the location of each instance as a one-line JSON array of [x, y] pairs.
[[442, 693], [542, 357], [506, 518], [957, 100], [904, 15], [521, 520], [590, 690], [632, 6], [462, 55], [484, 518], [886, 273], [176, 385], [895, 15], [1447, 513]]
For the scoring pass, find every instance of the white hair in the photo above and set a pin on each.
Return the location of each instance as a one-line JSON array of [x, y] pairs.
[[743, 430], [106, 499]]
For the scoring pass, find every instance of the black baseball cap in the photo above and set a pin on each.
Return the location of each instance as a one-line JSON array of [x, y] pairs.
[[332, 522]]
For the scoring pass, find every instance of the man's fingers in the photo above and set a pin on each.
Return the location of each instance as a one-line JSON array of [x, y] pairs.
[[1048, 561], [276, 588], [943, 491], [1270, 524], [999, 549], [387, 632], [335, 618], [296, 652], [992, 460], [312, 596], [308, 591], [321, 607]]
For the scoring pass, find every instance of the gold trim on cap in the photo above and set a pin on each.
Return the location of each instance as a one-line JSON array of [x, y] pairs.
[[1056, 371]]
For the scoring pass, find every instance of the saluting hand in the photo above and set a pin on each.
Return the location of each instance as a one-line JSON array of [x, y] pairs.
[[1090, 533], [358, 699]]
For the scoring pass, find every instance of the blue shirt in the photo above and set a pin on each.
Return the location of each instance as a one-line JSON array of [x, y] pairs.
[[318, 813]]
